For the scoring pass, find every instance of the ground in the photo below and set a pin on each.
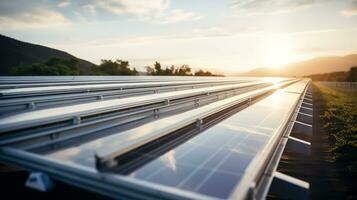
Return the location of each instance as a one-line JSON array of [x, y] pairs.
[[328, 179]]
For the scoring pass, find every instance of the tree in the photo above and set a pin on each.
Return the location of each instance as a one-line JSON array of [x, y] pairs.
[[184, 70], [157, 67], [352, 75], [150, 70], [53, 66], [158, 71], [203, 73], [169, 70], [118, 67]]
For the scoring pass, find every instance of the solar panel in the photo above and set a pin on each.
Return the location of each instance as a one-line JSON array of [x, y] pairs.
[[173, 156], [133, 137], [87, 88], [38, 117], [222, 153]]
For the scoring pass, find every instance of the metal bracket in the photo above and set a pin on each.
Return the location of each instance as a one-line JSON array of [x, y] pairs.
[[303, 117], [101, 164], [252, 192], [199, 123], [306, 110], [307, 100], [76, 120], [305, 104], [301, 127], [39, 181], [308, 95], [156, 113], [100, 97], [298, 145], [249, 101], [31, 106], [167, 101], [197, 102], [287, 187]]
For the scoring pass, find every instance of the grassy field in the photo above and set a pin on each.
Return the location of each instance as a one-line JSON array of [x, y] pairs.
[[338, 113]]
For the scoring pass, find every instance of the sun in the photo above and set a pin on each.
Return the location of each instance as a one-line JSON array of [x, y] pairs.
[[276, 55]]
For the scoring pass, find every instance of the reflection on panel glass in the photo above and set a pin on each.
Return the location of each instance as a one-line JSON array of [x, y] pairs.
[[48, 115], [214, 161]]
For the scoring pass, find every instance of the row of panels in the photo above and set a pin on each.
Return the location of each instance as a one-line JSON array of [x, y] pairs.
[[211, 150]]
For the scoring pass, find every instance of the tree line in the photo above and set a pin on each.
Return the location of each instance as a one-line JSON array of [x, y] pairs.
[[347, 76], [183, 70], [59, 66]]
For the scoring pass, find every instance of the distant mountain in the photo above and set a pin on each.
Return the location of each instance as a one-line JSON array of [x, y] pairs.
[[14, 53], [313, 66]]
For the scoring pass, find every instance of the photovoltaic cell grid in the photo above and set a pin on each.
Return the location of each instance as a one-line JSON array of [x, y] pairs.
[[48, 115], [213, 162], [123, 140]]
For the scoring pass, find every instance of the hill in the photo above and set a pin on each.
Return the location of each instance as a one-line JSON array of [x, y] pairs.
[[14, 53], [345, 76], [313, 66]]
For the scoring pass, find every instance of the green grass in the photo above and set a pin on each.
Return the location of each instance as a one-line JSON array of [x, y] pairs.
[[338, 113]]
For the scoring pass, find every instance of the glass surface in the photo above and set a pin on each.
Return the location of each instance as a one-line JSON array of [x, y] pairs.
[[214, 161], [52, 89], [217, 158], [44, 116], [297, 87]]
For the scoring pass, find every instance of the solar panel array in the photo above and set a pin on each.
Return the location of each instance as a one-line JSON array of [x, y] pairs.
[[189, 138]]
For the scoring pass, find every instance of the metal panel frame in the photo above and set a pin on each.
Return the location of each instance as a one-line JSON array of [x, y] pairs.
[[134, 189]]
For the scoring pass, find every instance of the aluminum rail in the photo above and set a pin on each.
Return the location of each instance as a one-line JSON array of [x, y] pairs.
[[39, 81], [264, 184], [22, 92], [12, 105], [254, 173], [160, 128], [29, 84], [46, 116], [107, 184], [86, 178], [36, 140], [250, 134]]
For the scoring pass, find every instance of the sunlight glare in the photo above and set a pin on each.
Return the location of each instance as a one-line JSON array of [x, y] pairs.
[[277, 54]]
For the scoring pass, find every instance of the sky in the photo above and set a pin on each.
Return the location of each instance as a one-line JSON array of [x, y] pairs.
[[218, 35]]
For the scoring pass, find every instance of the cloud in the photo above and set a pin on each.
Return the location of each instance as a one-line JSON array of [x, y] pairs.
[[22, 14], [90, 9], [269, 6], [351, 11], [213, 32], [40, 13], [64, 3], [37, 18], [170, 17], [312, 50], [147, 10], [177, 15], [133, 7]]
